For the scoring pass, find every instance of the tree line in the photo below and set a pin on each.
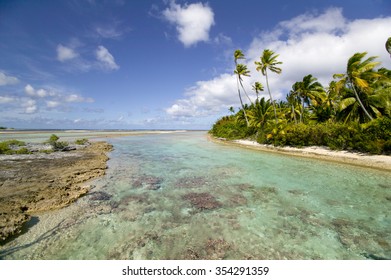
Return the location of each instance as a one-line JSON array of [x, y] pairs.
[[353, 112]]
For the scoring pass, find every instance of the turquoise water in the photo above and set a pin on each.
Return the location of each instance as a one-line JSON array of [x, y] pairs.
[[179, 196]]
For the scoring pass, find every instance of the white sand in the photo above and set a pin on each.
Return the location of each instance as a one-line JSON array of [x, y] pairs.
[[373, 161]]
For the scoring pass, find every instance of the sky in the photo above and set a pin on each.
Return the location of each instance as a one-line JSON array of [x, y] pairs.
[[161, 64]]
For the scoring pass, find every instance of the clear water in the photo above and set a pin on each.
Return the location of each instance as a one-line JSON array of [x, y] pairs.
[[179, 196]]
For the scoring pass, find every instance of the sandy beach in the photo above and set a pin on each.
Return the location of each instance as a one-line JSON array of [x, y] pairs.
[[373, 161]]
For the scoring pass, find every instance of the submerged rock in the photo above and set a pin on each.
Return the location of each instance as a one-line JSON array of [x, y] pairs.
[[11, 224], [148, 182], [202, 201], [99, 195]]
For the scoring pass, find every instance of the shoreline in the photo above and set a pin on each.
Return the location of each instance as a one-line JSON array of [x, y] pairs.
[[31, 184], [380, 162]]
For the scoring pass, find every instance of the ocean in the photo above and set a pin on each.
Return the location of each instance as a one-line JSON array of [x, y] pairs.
[[180, 196]]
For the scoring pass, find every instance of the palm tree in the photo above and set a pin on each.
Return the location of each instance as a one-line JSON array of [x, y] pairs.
[[258, 87], [388, 46], [294, 103], [309, 90], [241, 70], [238, 54], [358, 77], [259, 112], [269, 61]]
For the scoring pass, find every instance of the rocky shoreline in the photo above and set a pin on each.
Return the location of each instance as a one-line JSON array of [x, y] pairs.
[[41, 182]]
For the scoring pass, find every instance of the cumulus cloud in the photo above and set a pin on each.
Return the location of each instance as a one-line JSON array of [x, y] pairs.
[[65, 53], [193, 22], [40, 93], [317, 44], [106, 58], [206, 97], [7, 80]]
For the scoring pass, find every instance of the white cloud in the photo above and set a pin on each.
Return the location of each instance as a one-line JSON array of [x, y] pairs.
[[65, 53], [41, 93], [6, 99], [193, 21], [7, 80], [106, 58], [207, 97], [75, 98], [52, 103], [29, 106], [317, 44]]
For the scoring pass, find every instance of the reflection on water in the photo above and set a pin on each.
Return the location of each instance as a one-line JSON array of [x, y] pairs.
[[178, 196]]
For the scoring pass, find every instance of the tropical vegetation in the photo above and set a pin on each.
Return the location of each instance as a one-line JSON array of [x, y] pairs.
[[353, 112]]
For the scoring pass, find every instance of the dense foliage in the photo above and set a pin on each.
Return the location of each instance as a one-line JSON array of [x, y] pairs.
[[352, 113]]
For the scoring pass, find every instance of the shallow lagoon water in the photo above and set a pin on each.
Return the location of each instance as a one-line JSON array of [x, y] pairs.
[[179, 196]]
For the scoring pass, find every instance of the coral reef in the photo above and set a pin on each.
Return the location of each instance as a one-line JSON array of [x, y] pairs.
[[148, 182], [202, 201]]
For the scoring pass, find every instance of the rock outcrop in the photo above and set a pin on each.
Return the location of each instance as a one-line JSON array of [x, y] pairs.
[[41, 182]]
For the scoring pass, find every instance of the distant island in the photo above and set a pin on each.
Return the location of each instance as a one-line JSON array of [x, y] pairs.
[[352, 113]]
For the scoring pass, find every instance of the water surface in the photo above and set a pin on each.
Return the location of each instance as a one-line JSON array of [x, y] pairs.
[[179, 196]]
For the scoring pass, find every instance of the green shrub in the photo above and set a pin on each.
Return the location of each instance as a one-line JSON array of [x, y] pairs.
[[81, 141], [53, 138], [6, 146], [23, 150], [14, 142], [229, 128], [57, 145]]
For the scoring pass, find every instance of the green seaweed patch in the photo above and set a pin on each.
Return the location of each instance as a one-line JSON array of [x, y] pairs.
[[202, 201]]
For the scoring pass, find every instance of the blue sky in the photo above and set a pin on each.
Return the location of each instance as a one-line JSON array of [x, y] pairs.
[[160, 64]]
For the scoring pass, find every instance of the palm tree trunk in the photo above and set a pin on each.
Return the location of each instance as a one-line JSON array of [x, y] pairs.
[[359, 100], [271, 98], [241, 102], [245, 92], [294, 113]]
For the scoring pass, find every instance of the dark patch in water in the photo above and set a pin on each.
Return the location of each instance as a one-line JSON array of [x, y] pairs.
[[212, 249], [148, 182], [99, 196], [202, 201]]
